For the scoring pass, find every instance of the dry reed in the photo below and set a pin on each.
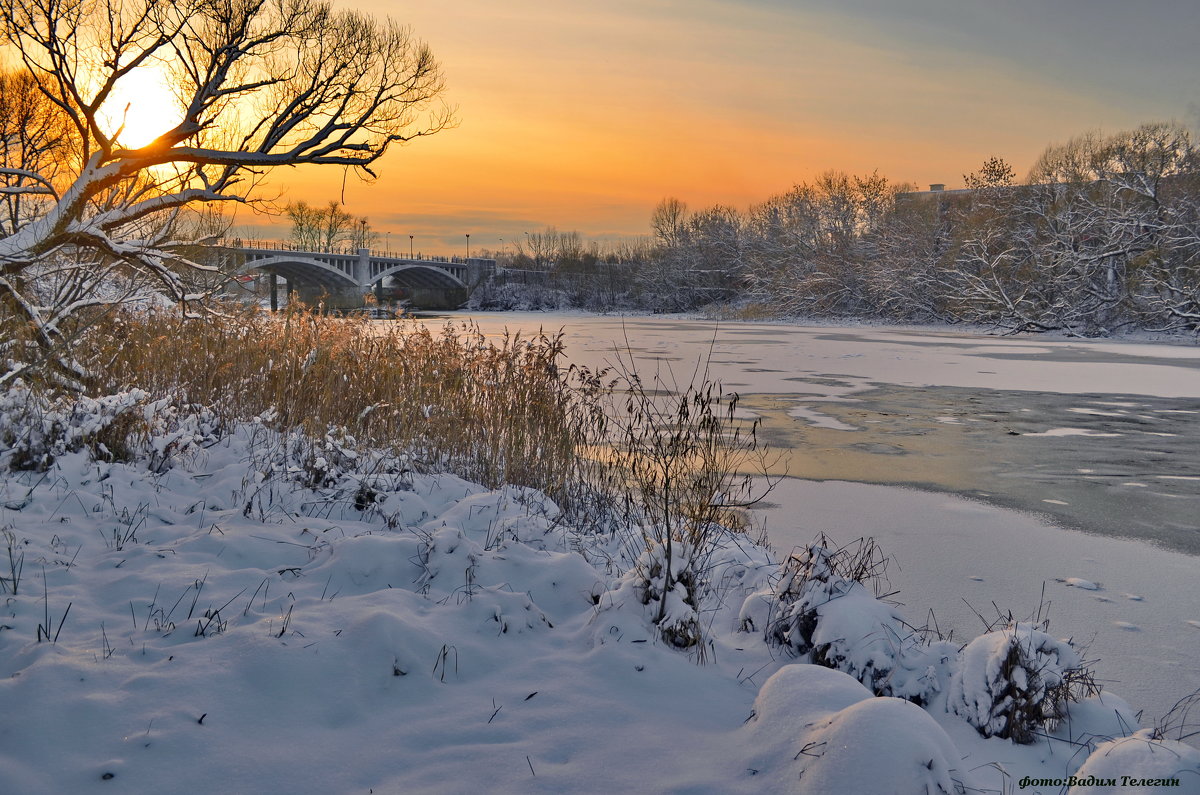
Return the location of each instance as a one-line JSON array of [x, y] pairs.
[[494, 412]]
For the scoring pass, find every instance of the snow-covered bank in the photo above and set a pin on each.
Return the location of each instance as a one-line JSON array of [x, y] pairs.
[[957, 556], [217, 625]]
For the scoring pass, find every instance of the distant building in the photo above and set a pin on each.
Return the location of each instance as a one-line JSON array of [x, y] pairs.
[[935, 189]]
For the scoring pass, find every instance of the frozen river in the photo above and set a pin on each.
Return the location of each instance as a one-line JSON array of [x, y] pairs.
[[988, 467]]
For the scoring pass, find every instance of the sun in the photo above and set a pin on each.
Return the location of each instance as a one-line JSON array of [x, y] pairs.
[[140, 108]]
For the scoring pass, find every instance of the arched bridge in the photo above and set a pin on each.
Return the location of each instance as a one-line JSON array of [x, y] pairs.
[[341, 277]]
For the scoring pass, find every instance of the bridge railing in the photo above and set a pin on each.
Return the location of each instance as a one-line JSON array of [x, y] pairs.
[[275, 245], [342, 251]]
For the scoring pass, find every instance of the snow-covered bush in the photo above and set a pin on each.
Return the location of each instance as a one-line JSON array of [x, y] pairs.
[[35, 429], [681, 601], [821, 609], [668, 583], [674, 477], [348, 475], [1013, 682]]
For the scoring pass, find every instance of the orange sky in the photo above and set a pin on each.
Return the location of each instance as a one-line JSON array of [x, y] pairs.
[[583, 115]]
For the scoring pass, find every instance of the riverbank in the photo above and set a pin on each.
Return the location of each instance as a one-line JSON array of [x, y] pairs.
[[228, 617]]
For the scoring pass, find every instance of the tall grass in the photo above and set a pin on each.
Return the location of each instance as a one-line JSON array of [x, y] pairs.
[[655, 464], [492, 411]]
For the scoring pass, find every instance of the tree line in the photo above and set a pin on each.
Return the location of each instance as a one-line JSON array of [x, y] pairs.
[[1102, 236], [328, 228]]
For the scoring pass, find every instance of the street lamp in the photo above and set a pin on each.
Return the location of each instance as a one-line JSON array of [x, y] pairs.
[[468, 245], [410, 238]]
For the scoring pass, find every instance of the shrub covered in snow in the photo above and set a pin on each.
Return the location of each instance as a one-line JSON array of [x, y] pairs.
[[36, 429], [682, 600], [821, 609], [668, 584], [1013, 682]]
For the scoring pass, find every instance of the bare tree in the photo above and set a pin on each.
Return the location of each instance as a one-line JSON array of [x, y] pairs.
[[260, 83], [540, 250], [327, 228], [306, 225], [361, 234], [33, 147], [669, 221], [335, 226], [994, 173]]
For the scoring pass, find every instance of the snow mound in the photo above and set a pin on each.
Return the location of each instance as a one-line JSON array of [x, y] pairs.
[[1139, 764], [822, 731], [1078, 582]]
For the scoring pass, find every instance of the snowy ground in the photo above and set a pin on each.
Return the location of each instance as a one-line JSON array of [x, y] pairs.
[[221, 627]]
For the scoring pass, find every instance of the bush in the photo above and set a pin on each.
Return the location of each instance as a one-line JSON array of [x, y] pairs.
[[36, 429], [673, 470], [827, 607], [1014, 682]]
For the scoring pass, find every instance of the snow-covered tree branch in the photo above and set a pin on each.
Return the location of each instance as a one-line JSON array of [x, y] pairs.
[[257, 84]]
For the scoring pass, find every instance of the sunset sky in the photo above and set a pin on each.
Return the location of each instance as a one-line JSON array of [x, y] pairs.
[[582, 115]]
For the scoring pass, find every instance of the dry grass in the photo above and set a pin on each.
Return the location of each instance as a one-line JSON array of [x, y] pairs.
[[667, 468], [495, 412]]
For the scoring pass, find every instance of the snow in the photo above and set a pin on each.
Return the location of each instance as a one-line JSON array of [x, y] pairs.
[[770, 355], [941, 544], [824, 732], [819, 420], [232, 619], [1140, 764], [1003, 675], [1071, 432]]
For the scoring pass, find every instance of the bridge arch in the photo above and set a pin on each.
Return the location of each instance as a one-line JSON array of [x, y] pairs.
[[411, 274], [310, 271]]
